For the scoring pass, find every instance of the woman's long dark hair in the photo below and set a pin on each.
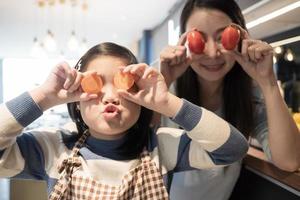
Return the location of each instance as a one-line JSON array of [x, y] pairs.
[[138, 133], [237, 90]]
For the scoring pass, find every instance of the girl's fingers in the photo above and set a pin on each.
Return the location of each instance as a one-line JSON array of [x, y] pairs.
[[89, 73], [129, 96], [76, 83], [138, 69], [61, 69], [65, 71], [86, 96], [70, 77], [150, 72], [127, 68]]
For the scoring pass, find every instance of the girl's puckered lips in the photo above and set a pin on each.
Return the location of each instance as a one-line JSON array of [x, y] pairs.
[[111, 109], [111, 112]]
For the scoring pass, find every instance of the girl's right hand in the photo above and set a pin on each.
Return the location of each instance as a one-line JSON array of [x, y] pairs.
[[61, 86], [174, 60]]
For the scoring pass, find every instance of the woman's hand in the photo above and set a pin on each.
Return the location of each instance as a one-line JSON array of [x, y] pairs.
[[174, 60], [152, 90], [61, 86], [256, 58]]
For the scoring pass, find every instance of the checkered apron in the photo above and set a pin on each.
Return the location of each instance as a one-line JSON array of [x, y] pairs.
[[141, 183]]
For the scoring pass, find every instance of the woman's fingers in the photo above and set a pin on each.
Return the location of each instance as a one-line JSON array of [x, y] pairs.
[[173, 55], [244, 33], [182, 39], [258, 50], [252, 50]]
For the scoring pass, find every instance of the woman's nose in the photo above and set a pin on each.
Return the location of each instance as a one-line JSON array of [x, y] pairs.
[[211, 48], [110, 95]]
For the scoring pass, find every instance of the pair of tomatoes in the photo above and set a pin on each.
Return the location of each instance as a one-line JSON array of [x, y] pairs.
[[230, 38], [93, 83]]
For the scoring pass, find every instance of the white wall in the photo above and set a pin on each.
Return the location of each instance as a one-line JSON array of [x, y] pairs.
[[160, 33]]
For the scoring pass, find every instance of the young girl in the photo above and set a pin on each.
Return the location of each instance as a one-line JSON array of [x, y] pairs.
[[113, 154], [229, 83]]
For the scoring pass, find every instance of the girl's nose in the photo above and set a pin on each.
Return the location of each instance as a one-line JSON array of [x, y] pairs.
[[110, 95]]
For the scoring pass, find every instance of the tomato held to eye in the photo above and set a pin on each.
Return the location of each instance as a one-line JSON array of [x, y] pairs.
[[91, 84], [123, 80], [230, 38], [196, 42]]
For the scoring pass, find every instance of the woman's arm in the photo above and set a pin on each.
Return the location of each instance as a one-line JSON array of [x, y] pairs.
[[284, 137], [256, 58]]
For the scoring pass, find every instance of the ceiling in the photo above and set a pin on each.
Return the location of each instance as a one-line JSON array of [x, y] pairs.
[[122, 21], [105, 20], [276, 25]]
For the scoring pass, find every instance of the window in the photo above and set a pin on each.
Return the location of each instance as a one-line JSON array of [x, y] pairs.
[[20, 75]]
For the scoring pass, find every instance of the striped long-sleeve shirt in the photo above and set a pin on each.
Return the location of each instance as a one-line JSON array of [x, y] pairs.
[[206, 141]]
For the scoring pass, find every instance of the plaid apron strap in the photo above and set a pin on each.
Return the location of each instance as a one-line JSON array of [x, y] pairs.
[[152, 180], [66, 169]]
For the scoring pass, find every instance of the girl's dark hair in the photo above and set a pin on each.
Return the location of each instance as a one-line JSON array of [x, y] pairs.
[[237, 90], [137, 135]]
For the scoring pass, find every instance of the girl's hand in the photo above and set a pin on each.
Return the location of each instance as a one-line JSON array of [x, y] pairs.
[[174, 60], [256, 58], [63, 86], [152, 90]]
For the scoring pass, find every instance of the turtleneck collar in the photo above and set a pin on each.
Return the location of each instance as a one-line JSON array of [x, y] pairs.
[[113, 149]]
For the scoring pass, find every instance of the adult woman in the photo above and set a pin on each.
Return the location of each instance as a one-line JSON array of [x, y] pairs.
[[229, 83]]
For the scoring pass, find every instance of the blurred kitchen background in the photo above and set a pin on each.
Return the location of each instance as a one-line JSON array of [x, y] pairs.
[[37, 34]]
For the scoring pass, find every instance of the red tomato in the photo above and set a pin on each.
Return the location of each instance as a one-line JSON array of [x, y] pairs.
[[230, 38], [196, 42]]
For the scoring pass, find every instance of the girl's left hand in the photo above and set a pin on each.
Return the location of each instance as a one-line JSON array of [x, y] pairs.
[[152, 89], [256, 58]]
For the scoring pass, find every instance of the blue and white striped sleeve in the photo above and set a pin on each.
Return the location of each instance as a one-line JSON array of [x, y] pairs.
[[207, 141], [15, 115]]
